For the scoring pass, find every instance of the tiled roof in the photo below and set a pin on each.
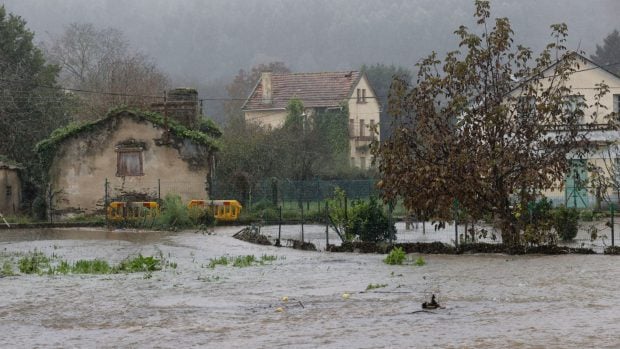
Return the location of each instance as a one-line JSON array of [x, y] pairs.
[[314, 89]]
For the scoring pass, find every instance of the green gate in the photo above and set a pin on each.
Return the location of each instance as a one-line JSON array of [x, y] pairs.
[[576, 193]]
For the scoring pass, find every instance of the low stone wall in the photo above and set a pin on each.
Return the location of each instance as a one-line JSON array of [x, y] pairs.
[[441, 248]]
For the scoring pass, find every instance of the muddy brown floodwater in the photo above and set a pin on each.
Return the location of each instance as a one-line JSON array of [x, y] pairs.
[[491, 301]]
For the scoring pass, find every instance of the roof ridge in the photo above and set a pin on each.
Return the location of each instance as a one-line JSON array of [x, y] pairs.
[[321, 72]]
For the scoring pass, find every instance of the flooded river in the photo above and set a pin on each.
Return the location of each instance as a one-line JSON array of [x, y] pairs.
[[491, 301]]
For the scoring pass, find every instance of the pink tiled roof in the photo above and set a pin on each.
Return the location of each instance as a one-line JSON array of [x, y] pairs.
[[314, 89]]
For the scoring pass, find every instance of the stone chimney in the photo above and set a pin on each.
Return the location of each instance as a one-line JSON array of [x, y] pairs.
[[265, 78], [181, 105]]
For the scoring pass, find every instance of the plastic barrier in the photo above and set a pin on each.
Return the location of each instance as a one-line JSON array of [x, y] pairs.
[[118, 210], [223, 210]]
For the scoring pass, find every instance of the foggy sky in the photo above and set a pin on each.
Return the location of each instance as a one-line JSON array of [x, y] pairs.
[[195, 41]]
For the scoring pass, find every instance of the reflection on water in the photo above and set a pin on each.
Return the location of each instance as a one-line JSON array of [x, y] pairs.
[[139, 237]]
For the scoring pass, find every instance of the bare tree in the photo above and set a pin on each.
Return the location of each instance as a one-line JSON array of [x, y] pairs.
[[101, 60]]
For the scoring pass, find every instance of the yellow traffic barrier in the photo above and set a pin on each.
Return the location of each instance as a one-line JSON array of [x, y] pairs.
[[223, 210]]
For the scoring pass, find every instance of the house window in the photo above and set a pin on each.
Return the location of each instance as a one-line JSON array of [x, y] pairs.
[[526, 106], [363, 163], [359, 95], [351, 127], [364, 95], [9, 191], [617, 106], [362, 126], [129, 162], [372, 126], [574, 106]]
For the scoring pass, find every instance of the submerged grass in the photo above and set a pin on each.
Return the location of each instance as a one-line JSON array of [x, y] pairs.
[[38, 263], [95, 266], [244, 261], [218, 261], [139, 264], [375, 286], [241, 261], [7, 269], [34, 264]]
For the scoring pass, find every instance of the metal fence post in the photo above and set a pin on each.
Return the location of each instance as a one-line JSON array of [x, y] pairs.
[[611, 208], [456, 225], [50, 196], [278, 243], [105, 203], [326, 225], [346, 214], [302, 224]]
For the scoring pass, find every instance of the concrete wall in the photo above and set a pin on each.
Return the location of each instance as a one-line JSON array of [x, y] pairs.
[[362, 111], [273, 118], [10, 191], [83, 163]]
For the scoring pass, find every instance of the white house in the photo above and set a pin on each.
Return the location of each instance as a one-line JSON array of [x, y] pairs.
[[267, 103]]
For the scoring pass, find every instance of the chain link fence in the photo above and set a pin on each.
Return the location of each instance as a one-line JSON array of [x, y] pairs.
[[292, 194]]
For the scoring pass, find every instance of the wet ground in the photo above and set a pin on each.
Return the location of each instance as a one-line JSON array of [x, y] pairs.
[[491, 301]]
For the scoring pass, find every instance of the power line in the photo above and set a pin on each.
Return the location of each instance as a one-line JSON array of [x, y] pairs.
[[60, 88]]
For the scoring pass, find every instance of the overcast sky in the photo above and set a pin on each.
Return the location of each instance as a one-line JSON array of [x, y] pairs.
[[195, 41]]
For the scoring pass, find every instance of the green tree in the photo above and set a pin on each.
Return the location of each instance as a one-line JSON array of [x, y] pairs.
[[469, 135], [380, 77], [609, 54], [247, 156], [299, 135], [32, 105]]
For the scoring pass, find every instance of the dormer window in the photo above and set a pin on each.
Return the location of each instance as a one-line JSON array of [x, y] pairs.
[[361, 95]]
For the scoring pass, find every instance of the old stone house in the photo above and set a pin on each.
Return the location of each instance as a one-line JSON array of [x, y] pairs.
[[131, 155], [10, 186], [319, 92]]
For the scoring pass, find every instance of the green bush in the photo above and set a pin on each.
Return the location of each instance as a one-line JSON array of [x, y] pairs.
[[39, 208], [396, 257], [586, 215], [263, 205], [369, 223], [566, 222], [200, 216], [174, 213], [420, 261]]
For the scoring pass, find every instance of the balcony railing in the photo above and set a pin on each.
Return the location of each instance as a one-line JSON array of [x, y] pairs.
[[580, 127]]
